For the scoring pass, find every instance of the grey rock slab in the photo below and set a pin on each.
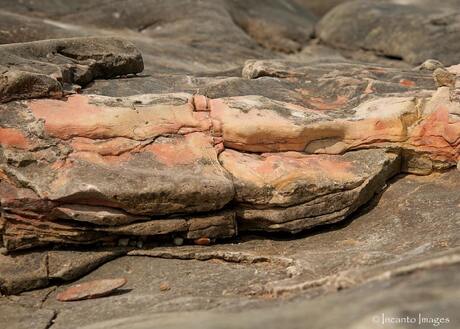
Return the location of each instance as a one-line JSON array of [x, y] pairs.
[[193, 285], [14, 316], [42, 68], [433, 293], [413, 31]]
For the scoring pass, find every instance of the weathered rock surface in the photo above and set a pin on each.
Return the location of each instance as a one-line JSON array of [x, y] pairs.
[[412, 30], [201, 37], [89, 168], [362, 308], [43, 68], [247, 118], [319, 7], [31, 270], [292, 191], [398, 256]]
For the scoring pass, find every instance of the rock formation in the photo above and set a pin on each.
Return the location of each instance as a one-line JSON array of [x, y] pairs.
[[146, 130], [81, 169]]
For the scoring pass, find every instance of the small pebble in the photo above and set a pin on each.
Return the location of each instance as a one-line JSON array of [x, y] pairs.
[[203, 241], [139, 244], [3, 251], [123, 242], [164, 286], [178, 241]]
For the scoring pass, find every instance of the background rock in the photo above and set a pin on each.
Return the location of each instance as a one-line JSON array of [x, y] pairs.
[[413, 31]]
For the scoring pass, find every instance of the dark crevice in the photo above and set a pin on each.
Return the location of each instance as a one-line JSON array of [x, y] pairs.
[[146, 26], [52, 320]]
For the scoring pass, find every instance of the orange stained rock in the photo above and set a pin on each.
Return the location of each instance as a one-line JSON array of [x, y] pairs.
[[91, 289], [77, 117], [200, 102], [187, 151], [11, 137], [283, 169], [438, 134], [407, 83], [264, 130], [114, 146], [256, 130], [454, 69]]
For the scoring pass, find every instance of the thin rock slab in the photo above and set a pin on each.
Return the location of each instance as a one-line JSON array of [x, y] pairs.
[[91, 289], [291, 191], [44, 68], [23, 271]]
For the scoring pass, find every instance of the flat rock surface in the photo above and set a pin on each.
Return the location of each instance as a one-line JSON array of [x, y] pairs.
[[366, 307], [419, 30], [257, 274]]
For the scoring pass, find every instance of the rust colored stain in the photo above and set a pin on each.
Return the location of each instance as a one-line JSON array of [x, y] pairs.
[[288, 166], [115, 146], [194, 147], [321, 104], [202, 241], [172, 154], [76, 117], [217, 108], [407, 83], [10, 137], [91, 289], [380, 125], [438, 135]]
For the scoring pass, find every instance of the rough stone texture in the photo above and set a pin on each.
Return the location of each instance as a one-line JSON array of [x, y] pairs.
[[23, 272], [16, 316], [319, 7], [248, 117], [196, 36], [402, 253], [43, 68], [398, 298], [77, 168], [26, 271], [412, 30], [292, 191]]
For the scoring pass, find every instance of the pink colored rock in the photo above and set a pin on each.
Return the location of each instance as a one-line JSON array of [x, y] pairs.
[[91, 289]]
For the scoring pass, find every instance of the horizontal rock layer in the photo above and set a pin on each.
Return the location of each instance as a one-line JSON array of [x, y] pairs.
[[92, 169], [47, 68], [287, 146]]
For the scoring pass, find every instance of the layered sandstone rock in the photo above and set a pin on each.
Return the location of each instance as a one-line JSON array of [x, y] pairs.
[[274, 145], [250, 117], [88, 168]]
